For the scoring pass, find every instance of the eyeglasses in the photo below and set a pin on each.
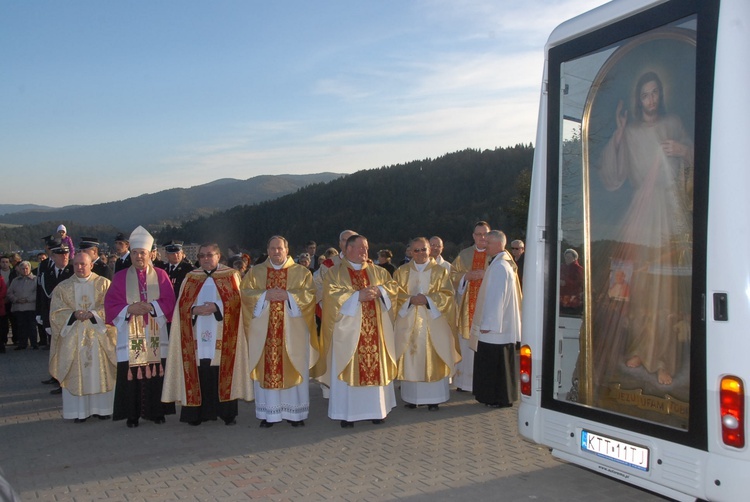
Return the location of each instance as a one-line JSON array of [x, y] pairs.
[[206, 255], [419, 250]]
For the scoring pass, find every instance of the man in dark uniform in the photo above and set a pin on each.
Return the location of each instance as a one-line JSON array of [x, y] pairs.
[[157, 263], [49, 241], [45, 262], [90, 246], [54, 274], [122, 248], [177, 265]]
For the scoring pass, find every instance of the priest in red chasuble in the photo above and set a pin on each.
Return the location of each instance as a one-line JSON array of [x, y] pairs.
[[139, 303], [207, 369], [426, 345], [467, 273], [278, 303], [358, 301]]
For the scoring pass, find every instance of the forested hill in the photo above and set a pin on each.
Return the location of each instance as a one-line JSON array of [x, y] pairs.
[[389, 205]]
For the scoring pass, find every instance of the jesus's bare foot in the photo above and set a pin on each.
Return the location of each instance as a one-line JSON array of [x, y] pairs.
[[633, 362], [664, 377]]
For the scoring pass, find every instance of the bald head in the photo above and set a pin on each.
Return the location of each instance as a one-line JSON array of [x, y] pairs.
[[82, 265]]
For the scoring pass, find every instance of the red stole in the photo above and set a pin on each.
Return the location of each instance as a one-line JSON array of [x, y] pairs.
[[479, 262], [229, 294], [273, 351], [368, 350]]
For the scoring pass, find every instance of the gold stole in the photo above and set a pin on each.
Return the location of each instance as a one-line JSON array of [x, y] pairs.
[[143, 336], [227, 345], [368, 347], [479, 262]]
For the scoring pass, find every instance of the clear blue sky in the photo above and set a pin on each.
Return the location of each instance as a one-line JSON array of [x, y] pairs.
[[105, 100]]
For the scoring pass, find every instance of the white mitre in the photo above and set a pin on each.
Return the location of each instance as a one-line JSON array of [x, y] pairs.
[[141, 239]]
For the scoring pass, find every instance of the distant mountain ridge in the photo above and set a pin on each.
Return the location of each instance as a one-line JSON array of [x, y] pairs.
[[168, 207], [17, 208]]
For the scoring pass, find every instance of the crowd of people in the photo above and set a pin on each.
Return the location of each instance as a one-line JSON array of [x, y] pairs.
[[132, 336]]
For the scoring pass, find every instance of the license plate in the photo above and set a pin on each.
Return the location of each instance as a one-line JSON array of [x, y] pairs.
[[616, 450]]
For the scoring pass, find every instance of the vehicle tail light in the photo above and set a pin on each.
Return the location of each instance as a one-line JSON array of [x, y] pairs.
[[732, 401], [525, 360]]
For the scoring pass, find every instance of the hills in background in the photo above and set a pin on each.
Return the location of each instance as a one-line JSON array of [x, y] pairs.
[[168, 206], [389, 205], [17, 208], [442, 196]]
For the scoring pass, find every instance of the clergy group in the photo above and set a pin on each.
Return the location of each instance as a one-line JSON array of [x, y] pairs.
[[205, 337]]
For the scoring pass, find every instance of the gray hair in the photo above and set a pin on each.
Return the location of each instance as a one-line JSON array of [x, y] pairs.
[[497, 235], [572, 252]]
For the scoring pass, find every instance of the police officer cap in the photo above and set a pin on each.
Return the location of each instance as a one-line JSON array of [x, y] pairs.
[[121, 237], [88, 242], [57, 247], [173, 246]]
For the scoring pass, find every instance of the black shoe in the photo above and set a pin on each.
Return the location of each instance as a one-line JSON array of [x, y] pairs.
[[103, 417], [56, 391], [433, 407], [46, 347], [378, 421], [79, 420], [160, 420], [132, 423], [410, 406], [265, 424], [20, 348], [195, 423], [35, 347], [230, 421], [296, 423], [345, 424], [459, 389], [50, 381]]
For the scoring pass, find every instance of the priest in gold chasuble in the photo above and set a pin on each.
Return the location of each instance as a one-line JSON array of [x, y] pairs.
[[467, 273], [358, 301], [207, 370], [83, 356], [426, 346], [278, 302], [139, 303], [318, 277]]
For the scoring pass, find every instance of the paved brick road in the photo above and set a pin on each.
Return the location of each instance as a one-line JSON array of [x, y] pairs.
[[462, 451]]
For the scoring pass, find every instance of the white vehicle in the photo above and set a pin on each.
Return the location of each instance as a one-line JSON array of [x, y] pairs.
[[635, 357]]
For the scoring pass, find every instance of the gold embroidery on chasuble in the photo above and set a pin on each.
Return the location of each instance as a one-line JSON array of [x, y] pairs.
[[273, 351], [227, 286], [478, 263], [192, 286], [226, 343], [368, 348]]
